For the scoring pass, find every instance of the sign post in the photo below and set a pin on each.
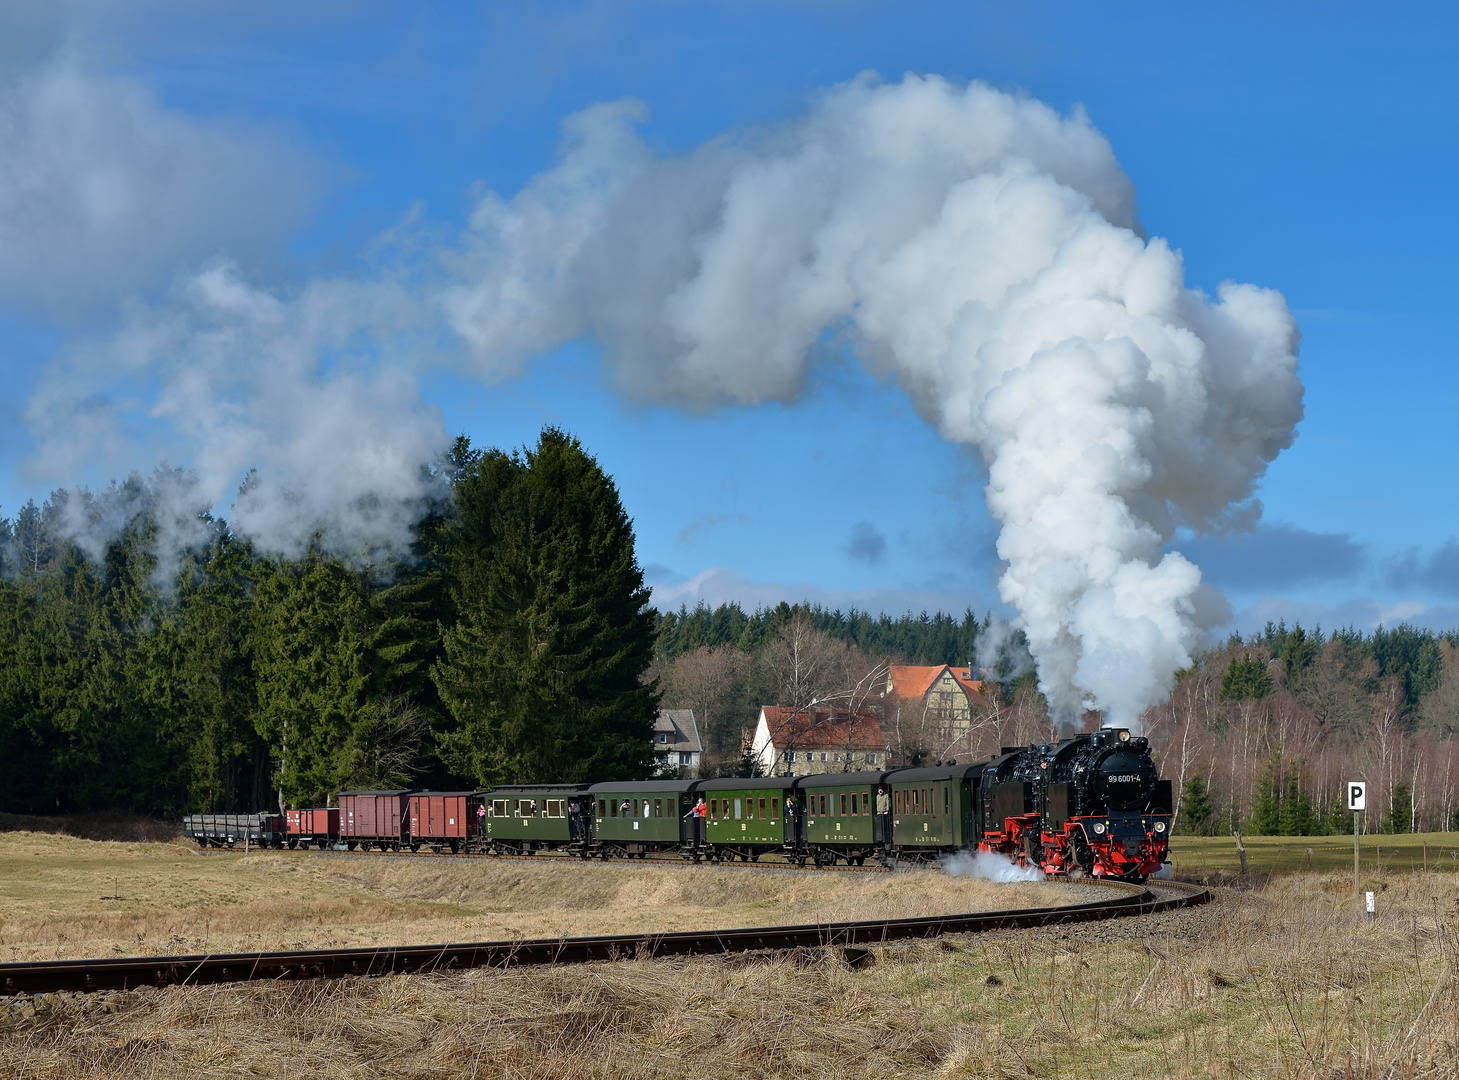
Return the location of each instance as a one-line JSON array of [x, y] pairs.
[[1357, 803]]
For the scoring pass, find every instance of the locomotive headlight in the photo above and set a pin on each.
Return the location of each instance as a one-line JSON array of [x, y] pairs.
[[1160, 826], [1124, 736], [1099, 828]]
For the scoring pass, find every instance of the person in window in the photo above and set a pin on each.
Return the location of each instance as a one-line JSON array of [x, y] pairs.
[[626, 809], [534, 807], [699, 809]]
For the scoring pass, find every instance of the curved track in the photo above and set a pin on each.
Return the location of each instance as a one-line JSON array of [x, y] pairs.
[[124, 972]]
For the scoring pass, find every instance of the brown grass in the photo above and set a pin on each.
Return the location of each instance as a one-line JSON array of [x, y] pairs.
[[57, 898], [1286, 982]]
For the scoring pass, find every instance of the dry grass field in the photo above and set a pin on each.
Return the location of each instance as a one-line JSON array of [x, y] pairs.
[[1285, 981], [59, 898]]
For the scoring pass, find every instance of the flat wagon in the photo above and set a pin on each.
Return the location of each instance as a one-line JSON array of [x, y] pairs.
[[226, 830]]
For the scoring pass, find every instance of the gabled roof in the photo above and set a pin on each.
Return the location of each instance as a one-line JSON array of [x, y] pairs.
[[681, 729], [911, 681], [822, 728], [971, 686]]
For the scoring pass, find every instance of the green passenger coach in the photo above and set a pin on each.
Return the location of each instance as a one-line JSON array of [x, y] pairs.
[[746, 816], [840, 820], [932, 808], [534, 817], [632, 819]]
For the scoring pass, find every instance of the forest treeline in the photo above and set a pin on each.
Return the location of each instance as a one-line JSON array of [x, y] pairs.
[[510, 643], [1262, 734], [515, 641]]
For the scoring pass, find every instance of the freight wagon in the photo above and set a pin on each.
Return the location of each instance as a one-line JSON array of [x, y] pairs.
[[317, 827], [226, 830], [374, 818], [444, 819]]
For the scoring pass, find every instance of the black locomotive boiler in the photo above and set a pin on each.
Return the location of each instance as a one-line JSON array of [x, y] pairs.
[[1093, 803]]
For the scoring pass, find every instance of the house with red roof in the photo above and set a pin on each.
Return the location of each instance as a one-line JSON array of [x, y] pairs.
[[792, 741], [938, 702]]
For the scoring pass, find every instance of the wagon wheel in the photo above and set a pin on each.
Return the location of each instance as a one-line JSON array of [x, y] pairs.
[[416, 847]]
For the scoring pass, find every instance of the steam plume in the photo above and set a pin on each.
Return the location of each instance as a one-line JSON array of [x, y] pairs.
[[986, 252], [978, 247]]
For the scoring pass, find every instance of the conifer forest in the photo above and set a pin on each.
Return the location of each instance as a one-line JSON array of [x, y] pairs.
[[515, 641]]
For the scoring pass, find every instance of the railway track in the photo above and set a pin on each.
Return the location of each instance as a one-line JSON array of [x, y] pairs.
[[122, 973]]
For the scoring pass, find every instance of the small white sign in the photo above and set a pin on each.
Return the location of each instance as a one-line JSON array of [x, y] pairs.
[[1357, 795], [1371, 909]]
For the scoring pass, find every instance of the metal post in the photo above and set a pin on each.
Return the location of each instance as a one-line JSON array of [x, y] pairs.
[[1355, 856]]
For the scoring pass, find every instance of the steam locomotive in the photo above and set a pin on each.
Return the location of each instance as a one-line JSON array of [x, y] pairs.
[[1091, 804]]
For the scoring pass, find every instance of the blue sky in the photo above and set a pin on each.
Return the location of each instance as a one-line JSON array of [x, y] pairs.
[[1309, 148]]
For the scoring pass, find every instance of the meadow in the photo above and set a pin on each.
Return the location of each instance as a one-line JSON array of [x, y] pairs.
[[1281, 976], [65, 898]]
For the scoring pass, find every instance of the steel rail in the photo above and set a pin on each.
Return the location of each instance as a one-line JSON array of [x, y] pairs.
[[120, 973]]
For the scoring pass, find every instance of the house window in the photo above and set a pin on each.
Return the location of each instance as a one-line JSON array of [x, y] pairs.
[[871, 758], [823, 755], [686, 759], [663, 737]]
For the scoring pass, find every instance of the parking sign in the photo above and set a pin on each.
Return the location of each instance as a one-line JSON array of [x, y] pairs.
[[1357, 795]]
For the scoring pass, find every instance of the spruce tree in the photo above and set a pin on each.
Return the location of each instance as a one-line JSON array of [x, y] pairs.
[[542, 671], [1266, 812], [1195, 807]]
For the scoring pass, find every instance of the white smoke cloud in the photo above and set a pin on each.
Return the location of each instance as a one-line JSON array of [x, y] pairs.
[[989, 866], [105, 193], [987, 252], [312, 393], [979, 247]]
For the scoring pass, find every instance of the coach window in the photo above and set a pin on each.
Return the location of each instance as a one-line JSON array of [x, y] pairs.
[[738, 809], [762, 811], [853, 804], [866, 803], [602, 808], [946, 800], [843, 804], [774, 809], [713, 809]]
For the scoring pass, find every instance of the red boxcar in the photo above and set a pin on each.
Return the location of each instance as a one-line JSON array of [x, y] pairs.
[[316, 826], [443, 819], [374, 817]]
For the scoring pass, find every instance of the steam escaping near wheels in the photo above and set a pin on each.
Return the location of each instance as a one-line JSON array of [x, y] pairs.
[[988, 866]]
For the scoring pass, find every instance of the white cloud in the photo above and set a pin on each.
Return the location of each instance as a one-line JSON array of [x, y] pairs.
[[106, 193]]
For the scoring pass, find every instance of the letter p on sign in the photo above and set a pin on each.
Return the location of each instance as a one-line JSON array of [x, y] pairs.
[[1357, 795]]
